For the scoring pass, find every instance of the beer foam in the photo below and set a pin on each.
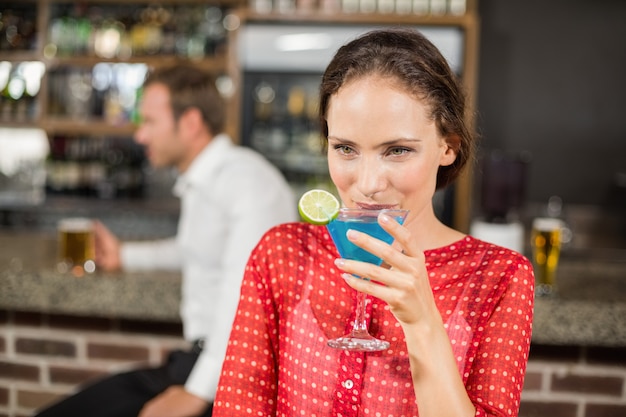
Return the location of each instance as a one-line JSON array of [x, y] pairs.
[[546, 224], [76, 224]]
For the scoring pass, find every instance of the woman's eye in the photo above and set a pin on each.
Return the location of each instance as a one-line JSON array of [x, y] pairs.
[[398, 151], [344, 149]]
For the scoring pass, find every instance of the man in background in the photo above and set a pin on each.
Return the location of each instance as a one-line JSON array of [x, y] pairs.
[[229, 196]]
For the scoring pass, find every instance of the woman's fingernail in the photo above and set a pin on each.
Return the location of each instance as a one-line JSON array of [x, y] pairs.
[[340, 262], [352, 234], [384, 218], [346, 276]]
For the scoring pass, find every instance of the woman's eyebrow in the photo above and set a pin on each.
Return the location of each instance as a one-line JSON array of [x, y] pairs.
[[387, 143]]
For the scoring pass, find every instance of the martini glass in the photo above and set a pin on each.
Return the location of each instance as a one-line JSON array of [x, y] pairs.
[[365, 221]]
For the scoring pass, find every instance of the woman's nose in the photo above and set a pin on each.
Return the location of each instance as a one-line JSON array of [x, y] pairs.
[[370, 177]]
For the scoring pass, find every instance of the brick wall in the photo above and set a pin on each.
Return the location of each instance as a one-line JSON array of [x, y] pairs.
[[43, 357], [568, 381]]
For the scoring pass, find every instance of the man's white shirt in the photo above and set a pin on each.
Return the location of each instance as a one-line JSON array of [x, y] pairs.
[[230, 196]]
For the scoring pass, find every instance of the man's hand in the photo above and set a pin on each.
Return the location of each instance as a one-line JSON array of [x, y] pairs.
[[107, 249], [174, 402]]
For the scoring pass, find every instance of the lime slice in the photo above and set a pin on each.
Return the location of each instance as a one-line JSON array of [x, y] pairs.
[[318, 207]]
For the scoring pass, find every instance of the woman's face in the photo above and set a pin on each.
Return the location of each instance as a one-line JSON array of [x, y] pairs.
[[383, 150]]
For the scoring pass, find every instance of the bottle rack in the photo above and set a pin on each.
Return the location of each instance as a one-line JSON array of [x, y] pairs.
[[64, 41], [74, 69]]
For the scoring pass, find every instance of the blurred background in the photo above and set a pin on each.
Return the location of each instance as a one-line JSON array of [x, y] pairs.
[[546, 79], [552, 84], [550, 92]]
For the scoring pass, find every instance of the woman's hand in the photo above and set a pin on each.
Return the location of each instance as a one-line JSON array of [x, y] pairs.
[[405, 286]]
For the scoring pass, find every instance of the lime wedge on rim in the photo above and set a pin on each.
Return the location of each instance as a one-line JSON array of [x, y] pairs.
[[318, 207]]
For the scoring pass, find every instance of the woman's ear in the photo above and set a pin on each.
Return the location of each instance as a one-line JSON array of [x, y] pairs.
[[451, 146]]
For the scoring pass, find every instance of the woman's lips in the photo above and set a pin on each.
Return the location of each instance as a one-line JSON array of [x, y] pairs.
[[375, 206]]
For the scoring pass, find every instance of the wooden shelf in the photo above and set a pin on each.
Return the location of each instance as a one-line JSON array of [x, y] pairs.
[[225, 3], [213, 64], [72, 126], [91, 127], [318, 17], [20, 56]]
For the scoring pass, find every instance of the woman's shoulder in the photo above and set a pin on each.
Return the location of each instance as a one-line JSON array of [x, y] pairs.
[[291, 230], [481, 254], [292, 245], [484, 265], [295, 234], [491, 251]]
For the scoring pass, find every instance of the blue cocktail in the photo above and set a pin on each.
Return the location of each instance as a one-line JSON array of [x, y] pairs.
[[365, 221]]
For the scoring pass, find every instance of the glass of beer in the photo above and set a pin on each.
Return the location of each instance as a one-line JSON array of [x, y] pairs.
[[546, 239], [77, 247]]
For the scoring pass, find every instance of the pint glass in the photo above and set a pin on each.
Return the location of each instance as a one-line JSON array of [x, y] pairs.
[[546, 239], [76, 245]]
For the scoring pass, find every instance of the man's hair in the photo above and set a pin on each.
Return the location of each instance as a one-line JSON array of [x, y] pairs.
[[191, 87]]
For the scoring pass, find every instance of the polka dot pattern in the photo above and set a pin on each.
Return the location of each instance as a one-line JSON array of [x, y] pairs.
[[293, 300]]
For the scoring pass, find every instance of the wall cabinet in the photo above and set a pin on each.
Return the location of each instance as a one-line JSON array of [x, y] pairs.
[[86, 59]]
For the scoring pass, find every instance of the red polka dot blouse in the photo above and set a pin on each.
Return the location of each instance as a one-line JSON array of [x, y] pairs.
[[293, 300]]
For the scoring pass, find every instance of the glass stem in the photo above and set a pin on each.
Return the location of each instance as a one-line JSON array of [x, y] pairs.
[[360, 323]]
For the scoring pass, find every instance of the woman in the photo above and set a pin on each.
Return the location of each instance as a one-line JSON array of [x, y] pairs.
[[457, 311]]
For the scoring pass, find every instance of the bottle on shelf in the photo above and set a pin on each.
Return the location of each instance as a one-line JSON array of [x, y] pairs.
[[417, 7], [106, 167], [18, 26], [121, 31], [19, 86], [7, 102], [107, 91]]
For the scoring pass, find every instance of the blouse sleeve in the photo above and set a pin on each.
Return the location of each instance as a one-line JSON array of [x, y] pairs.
[[247, 383], [496, 377]]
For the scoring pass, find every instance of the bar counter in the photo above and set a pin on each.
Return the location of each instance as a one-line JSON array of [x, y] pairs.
[[30, 281], [589, 311]]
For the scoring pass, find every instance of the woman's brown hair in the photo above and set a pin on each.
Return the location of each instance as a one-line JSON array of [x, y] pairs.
[[411, 60]]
